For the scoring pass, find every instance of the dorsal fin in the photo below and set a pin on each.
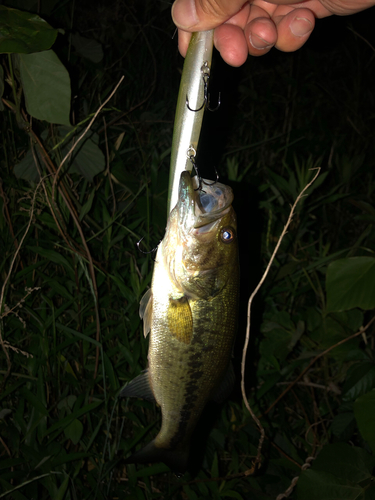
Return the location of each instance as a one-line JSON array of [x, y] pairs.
[[145, 311]]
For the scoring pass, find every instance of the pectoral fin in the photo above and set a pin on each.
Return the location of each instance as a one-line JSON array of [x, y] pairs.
[[139, 387], [145, 311], [180, 319]]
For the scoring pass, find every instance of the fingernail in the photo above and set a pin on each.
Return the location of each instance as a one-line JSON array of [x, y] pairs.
[[301, 26], [184, 14], [258, 43]]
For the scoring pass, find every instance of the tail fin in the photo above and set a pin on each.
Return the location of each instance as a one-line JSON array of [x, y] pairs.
[[175, 459]]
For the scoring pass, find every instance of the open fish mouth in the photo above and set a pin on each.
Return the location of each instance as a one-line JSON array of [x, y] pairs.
[[212, 202]]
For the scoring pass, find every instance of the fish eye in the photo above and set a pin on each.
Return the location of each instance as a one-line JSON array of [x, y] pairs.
[[227, 235]]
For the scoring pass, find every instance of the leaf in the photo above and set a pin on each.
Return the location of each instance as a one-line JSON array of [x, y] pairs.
[[26, 168], [87, 159], [61, 424], [343, 425], [74, 431], [313, 485], [53, 256], [88, 48], [24, 32], [231, 494], [152, 470], [78, 334], [364, 411], [46, 85], [110, 372], [351, 283], [87, 206], [348, 463], [360, 379], [280, 336]]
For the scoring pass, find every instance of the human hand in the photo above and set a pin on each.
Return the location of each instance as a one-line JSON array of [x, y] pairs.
[[254, 27]]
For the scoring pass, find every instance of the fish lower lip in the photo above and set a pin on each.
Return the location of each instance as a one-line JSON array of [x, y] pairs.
[[206, 228]]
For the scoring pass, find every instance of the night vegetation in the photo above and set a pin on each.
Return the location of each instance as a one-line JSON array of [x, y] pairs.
[[71, 276]]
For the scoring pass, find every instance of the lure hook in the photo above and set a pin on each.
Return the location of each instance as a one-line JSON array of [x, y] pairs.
[[205, 69], [150, 251], [191, 156]]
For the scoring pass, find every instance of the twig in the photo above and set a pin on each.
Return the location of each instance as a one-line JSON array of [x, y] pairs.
[[287, 492], [292, 384], [83, 135], [333, 388], [79, 228], [247, 338], [8, 217]]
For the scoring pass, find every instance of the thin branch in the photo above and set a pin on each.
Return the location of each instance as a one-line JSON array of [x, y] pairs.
[[83, 134], [247, 338]]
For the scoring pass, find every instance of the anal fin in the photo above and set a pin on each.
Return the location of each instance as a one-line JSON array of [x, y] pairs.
[[139, 387]]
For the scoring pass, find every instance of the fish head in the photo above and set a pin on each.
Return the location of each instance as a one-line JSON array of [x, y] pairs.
[[203, 247]]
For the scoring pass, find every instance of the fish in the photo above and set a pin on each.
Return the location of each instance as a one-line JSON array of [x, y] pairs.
[[190, 313]]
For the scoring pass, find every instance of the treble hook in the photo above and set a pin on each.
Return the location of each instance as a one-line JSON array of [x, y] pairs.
[[205, 69], [191, 156], [151, 251]]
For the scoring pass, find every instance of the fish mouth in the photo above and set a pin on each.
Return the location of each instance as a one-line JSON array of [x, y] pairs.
[[201, 206]]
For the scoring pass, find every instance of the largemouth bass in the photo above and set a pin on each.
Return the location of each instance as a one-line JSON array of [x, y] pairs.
[[191, 312]]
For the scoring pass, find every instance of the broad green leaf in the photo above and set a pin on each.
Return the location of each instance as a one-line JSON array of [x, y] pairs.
[[88, 159], [24, 32], [348, 463], [74, 431], [88, 48], [280, 336], [343, 425], [46, 85], [313, 485], [364, 411], [351, 283], [27, 169], [360, 379]]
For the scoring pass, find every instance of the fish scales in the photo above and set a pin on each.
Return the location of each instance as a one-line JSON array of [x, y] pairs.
[[192, 314]]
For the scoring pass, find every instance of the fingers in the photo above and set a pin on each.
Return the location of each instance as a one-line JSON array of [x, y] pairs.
[[254, 29], [231, 43], [293, 28], [183, 41], [199, 15]]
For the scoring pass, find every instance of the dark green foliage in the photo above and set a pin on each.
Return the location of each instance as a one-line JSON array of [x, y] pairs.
[[71, 332]]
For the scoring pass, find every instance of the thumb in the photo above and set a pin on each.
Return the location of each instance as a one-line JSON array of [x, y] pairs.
[[201, 15]]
